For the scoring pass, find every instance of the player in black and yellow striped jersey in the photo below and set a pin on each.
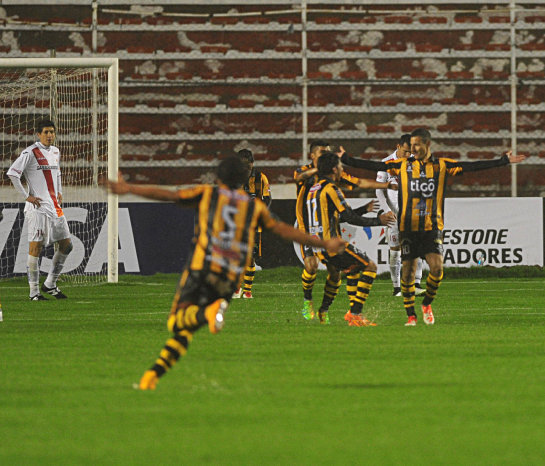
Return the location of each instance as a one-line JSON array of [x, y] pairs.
[[225, 227], [322, 208], [257, 186], [305, 177], [421, 195]]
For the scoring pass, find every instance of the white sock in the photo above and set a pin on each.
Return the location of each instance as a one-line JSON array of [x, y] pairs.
[[395, 267], [418, 274], [33, 273], [56, 266]]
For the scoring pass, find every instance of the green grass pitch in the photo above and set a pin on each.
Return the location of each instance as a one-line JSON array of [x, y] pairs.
[[272, 388]]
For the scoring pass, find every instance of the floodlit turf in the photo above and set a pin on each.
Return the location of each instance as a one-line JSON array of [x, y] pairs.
[[272, 388]]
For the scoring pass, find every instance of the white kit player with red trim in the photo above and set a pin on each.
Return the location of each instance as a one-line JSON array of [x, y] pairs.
[[39, 164], [387, 197]]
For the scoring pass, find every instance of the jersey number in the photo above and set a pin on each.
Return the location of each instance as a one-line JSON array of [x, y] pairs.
[[312, 214], [228, 214]]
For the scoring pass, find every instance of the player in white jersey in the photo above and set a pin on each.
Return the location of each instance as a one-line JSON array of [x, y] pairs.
[[39, 164], [388, 203]]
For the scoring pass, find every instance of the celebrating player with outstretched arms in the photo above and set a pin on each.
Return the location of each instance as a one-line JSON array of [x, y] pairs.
[[422, 184]]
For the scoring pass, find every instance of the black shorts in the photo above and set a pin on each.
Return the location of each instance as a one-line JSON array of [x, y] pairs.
[[415, 244], [203, 288], [352, 260]]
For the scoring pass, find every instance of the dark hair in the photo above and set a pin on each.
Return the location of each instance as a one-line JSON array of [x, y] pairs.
[[43, 124], [405, 139], [318, 143], [232, 172], [326, 163], [246, 155], [423, 134]]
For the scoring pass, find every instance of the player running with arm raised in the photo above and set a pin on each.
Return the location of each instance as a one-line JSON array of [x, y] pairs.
[[226, 222]]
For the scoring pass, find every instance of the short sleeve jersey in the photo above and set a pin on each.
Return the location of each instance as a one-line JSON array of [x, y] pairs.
[[258, 185], [347, 182], [321, 208], [40, 165]]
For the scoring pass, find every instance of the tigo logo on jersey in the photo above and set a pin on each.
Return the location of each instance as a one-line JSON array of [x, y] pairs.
[[424, 187]]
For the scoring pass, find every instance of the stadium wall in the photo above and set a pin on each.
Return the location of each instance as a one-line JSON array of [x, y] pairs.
[[199, 81]]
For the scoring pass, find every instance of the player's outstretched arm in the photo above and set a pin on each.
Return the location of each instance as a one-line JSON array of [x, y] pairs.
[[372, 206], [333, 245], [365, 183], [493, 163], [361, 163], [350, 216], [151, 192], [517, 158]]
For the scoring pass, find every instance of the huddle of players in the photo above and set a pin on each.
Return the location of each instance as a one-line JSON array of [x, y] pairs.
[[319, 212], [327, 205], [320, 208], [329, 208], [410, 186]]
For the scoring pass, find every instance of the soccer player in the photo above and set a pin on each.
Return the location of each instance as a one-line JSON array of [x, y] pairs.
[[226, 223], [257, 186], [305, 177], [387, 199], [422, 183], [40, 165], [323, 208]]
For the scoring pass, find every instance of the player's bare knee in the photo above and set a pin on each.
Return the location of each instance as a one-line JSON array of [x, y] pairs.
[[66, 247], [311, 266], [35, 248]]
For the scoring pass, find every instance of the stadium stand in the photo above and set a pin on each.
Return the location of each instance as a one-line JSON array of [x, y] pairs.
[[195, 88]]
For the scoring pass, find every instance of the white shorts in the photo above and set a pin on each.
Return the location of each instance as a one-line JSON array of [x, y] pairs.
[[42, 228], [392, 235]]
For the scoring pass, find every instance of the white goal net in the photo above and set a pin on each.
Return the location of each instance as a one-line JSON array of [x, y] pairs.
[[78, 99]]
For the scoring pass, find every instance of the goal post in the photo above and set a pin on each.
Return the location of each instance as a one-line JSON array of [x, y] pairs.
[[81, 94]]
